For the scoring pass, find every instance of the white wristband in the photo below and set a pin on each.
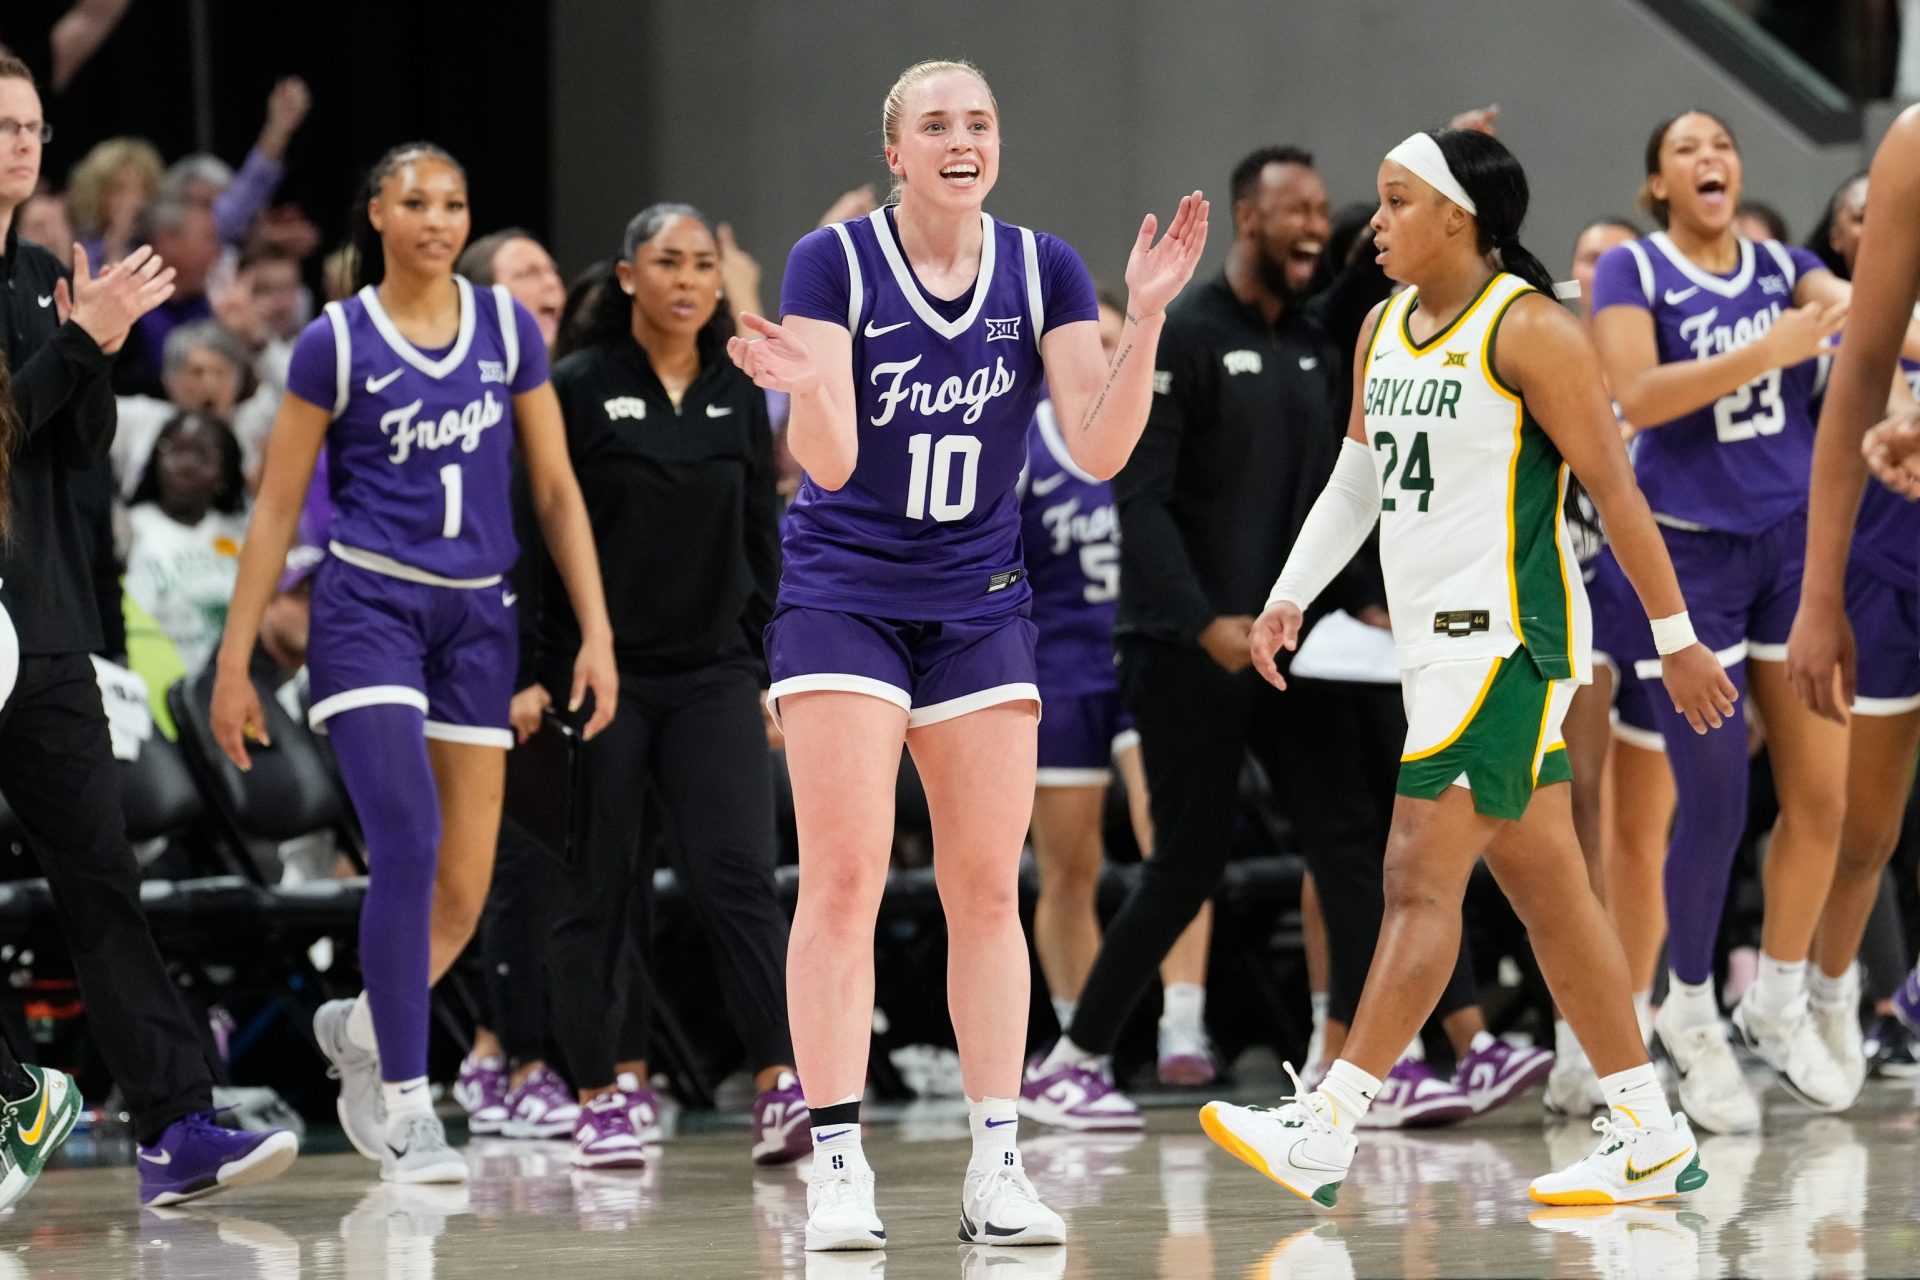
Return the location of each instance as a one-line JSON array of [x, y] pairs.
[[1671, 635]]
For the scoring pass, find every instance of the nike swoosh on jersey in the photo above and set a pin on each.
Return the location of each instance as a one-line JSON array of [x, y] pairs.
[[1677, 296], [507, 598], [1041, 488], [1635, 1175], [718, 411], [46, 299], [376, 385], [874, 333]]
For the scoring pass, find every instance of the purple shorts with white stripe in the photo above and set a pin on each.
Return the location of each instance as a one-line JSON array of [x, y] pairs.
[[933, 671], [1886, 639], [1080, 738], [449, 651]]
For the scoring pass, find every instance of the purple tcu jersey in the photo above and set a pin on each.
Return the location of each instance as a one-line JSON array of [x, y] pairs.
[[1886, 538], [928, 526], [420, 451], [1742, 463], [1072, 543]]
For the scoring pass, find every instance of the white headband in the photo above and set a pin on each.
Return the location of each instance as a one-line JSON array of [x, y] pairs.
[[1421, 156]]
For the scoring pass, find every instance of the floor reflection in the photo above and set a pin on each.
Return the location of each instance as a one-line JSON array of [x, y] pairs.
[[1817, 1195]]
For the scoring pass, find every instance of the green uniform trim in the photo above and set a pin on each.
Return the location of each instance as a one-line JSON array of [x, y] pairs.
[[1496, 746]]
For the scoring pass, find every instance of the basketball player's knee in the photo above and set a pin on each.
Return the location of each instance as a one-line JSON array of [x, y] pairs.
[[975, 901], [1074, 879], [842, 899], [1816, 814], [457, 908], [1409, 883], [1865, 849]]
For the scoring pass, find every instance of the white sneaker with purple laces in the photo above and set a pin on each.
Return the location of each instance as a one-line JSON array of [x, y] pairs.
[[1078, 1096]]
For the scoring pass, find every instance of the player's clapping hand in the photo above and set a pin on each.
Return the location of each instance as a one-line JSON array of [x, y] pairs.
[[1892, 451], [595, 669], [1277, 628], [237, 716], [107, 305], [1157, 272], [776, 359], [1699, 687]]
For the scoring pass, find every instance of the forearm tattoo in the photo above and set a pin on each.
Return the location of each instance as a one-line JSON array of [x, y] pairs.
[[1113, 376]]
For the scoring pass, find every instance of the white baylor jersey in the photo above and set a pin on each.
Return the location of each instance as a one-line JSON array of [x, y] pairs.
[[1473, 536]]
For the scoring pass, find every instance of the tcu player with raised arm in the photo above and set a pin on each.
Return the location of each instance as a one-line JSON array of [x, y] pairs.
[[915, 344], [1708, 340], [418, 385]]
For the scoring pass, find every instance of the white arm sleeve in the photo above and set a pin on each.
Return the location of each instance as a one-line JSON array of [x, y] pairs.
[[1341, 518]]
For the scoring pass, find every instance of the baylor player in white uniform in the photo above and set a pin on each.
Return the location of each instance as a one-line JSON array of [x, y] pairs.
[[1475, 397]]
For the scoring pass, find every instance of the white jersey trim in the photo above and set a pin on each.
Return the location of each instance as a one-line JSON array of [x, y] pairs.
[[374, 562], [1634, 736], [509, 333], [1035, 303], [1885, 706], [910, 289], [836, 682], [1056, 443], [1705, 279], [342, 357], [440, 368], [1784, 261], [967, 704], [1646, 269], [1064, 776], [855, 287]]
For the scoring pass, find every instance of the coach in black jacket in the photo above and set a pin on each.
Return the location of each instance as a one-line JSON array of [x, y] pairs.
[[57, 769]]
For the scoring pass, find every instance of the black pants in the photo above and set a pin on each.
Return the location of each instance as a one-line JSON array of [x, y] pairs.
[[1331, 753], [514, 935], [58, 774], [697, 737]]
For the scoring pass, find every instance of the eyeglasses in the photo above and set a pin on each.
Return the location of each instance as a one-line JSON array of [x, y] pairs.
[[11, 129]]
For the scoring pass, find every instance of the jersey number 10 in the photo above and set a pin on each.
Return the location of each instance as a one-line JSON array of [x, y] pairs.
[[930, 483]]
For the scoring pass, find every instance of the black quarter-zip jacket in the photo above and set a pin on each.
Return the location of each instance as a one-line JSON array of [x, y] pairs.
[[683, 507], [1244, 430], [63, 398]]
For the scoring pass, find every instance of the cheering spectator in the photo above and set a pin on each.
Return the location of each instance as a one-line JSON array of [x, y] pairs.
[[207, 370], [186, 234], [515, 259], [187, 521], [108, 190], [237, 200], [43, 219]]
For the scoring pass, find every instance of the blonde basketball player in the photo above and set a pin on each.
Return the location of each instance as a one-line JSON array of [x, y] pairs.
[[1475, 395]]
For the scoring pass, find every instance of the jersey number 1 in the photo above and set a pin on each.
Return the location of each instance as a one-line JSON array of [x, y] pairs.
[[450, 480], [1415, 477], [930, 483]]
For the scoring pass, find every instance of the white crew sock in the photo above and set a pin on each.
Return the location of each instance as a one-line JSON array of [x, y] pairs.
[[1063, 1012], [360, 1025], [407, 1098], [1828, 992], [1066, 1053], [995, 1124], [1351, 1091], [1637, 1092], [836, 1145], [1692, 1002], [1778, 984], [1184, 1005]]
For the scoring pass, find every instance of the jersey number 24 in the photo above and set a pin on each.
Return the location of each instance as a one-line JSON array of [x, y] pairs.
[[1415, 477]]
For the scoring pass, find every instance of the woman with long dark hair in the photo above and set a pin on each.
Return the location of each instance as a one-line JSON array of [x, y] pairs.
[[419, 385], [1709, 343], [675, 456], [1467, 475]]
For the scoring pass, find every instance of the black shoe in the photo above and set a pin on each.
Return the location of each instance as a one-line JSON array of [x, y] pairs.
[[1891, 1050]]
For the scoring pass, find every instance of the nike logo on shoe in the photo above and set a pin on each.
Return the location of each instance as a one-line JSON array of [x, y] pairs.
[[165, 1157], [399, 1153], [376, 385], [875, 332], [1636, 1175], [31, 1134]]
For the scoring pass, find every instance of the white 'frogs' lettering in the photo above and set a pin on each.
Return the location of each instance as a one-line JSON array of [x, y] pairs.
[[1710, 339], [925, 399], [462, 426], [1067, 525]]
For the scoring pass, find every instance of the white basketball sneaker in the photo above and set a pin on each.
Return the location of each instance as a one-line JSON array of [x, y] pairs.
[[1837, 1023], [1632, 1163], [1712, 1091], [1788, 1042], [840, 1212], [999, 1206], [1296, 1144], [1573, 1087]]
